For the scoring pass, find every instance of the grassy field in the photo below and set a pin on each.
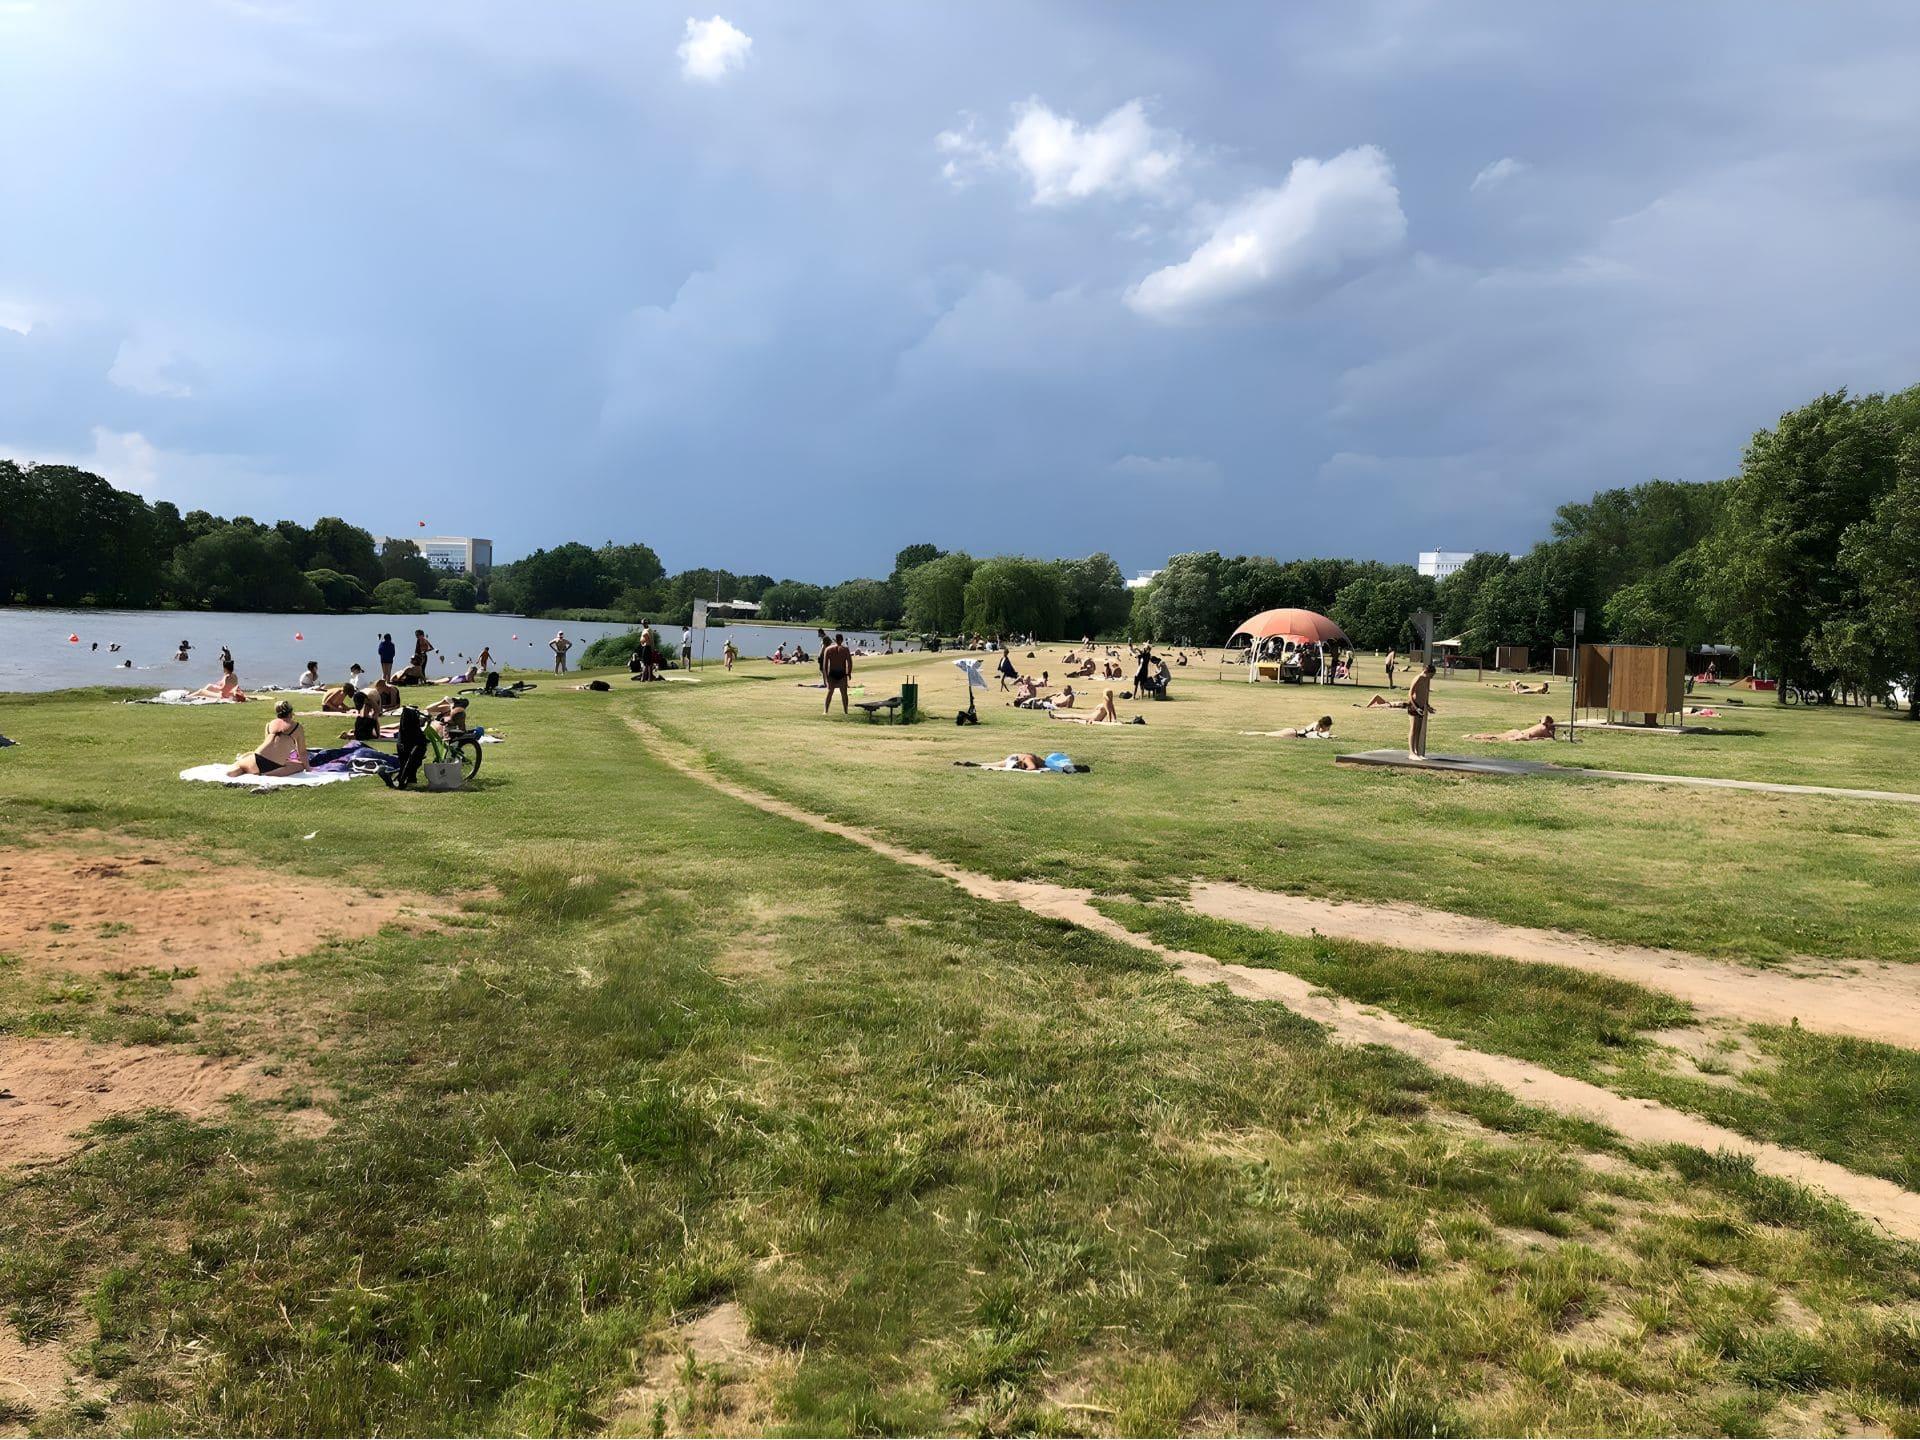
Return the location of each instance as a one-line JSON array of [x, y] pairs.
[[695, 1119]]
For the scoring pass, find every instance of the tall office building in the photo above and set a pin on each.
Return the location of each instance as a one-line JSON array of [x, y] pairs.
[[457, 554]]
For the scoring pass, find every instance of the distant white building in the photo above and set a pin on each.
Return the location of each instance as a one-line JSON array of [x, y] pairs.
[[457, 554], [1143, 579], [1442, 563]]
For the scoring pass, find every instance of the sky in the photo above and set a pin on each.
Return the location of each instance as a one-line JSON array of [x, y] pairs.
[[786, 287]]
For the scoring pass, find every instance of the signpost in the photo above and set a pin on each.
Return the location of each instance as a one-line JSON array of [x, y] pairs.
[[1573, 679], [1423, 627]]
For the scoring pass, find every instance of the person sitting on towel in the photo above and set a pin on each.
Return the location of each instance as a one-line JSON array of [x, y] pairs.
[[227, 687], [283, 750], [1107, 712]]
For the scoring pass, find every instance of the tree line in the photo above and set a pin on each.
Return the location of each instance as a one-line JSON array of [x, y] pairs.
[[1807, 559], [68, 537]]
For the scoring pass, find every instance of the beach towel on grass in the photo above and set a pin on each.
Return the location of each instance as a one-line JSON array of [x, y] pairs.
[[217, 774], [181, 697]]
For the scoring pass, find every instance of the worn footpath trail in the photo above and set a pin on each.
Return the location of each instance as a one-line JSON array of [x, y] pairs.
[[1647, 1122], [1863, 1000]]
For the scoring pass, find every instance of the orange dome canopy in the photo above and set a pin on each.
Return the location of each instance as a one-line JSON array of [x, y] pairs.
[[1303, 627]]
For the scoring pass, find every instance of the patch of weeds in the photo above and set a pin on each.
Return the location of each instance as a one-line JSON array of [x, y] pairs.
[[108, 929], [558, 893], [1780, 1360]]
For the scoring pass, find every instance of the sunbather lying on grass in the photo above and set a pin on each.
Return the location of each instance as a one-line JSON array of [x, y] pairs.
[[1540, 730], [1321, 730], [1380, 702]]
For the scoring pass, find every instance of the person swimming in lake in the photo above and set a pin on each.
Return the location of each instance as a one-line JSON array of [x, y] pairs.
[[283, 749], [227, 687], [1541, 729], [184, 652]]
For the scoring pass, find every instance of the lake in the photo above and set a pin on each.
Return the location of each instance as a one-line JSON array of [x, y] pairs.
[[35, 653]]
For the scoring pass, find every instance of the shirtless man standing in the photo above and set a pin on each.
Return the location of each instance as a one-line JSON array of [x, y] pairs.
[[1419, 707], [836, 668]]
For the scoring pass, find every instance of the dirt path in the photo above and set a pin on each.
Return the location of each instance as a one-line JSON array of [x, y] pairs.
[[1641, 1121], [1868, 1001]]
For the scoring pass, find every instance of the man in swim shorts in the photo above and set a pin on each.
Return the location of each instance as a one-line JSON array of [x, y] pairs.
[[1419, 707], [836, 668]]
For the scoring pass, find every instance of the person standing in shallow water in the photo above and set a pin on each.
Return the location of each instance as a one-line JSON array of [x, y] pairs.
[[1419, 707]]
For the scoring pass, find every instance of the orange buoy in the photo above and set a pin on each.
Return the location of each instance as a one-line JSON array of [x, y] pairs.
[[298, 636], [73, 639]]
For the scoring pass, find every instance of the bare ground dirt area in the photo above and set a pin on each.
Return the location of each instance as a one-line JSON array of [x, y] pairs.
[[94, 904]]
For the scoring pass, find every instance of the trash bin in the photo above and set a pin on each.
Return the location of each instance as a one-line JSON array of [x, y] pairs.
[[909, 702]]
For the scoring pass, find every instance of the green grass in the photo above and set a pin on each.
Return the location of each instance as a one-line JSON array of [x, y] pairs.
[[961, 1168]]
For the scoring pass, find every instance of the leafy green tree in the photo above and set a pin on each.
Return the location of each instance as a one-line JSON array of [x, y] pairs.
[[1094, 596], [629, 567], [860, 604], [1012, 595], [397, 597], [346, 548], [936, 593], [242, 568], [460, 593], [1376, 608], [1187, 607], [911, 558], [792, 600], [338, 591], [563, 578], [402, 560], [1663, 607], [1878, 644], [1773, 565]]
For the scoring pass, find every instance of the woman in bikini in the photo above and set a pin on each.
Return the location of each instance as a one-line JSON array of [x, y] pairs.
[[283, 750], [227, 687], [1107, 712], [1321, 731], [1542, 730]]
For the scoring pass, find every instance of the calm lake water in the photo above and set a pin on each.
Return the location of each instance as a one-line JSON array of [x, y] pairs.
[[35, 653]]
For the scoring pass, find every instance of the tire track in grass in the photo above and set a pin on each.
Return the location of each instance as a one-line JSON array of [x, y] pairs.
[[1644, 1122]]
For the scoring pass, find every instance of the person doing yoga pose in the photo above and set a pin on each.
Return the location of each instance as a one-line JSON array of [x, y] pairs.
[[283, 749]]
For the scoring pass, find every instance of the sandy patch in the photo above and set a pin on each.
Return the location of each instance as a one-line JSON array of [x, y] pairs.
[[1644, 1122], [1868, 1001], [130, 905], [33, 1378], [52, 1089], [709, 1376]]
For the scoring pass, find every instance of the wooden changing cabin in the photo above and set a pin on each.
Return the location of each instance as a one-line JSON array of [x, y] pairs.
[[1627, 681]]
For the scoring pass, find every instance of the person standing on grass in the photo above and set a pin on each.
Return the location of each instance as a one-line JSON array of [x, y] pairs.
[[422, 648], [1393, 662], [836, 668], [729, 653], [560, 645], [1419, 707], [386, 652], [686, 647]]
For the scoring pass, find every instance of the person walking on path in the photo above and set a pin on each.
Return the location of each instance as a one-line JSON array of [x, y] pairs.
[[560, 645], [386, 652], [1419, 707], [836, 668]]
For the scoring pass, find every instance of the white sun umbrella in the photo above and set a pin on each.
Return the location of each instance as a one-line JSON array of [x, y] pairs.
[[975, 680]]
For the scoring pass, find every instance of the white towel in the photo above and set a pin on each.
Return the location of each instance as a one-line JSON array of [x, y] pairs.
[[217, 774]]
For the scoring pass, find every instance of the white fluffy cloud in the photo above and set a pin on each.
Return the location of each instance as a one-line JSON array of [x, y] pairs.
[[1498, 173], [1327, 219], [1176, 470], [712, 48], [142, 367], [1063, 160]]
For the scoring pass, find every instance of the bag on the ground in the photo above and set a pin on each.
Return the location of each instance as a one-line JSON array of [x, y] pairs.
[[444, 775]]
